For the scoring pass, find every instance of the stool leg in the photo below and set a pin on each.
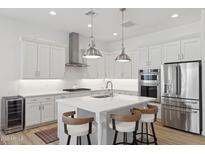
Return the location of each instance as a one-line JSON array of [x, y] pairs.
[[153, 132], [147, 133], [88, 137], [125, 138], [68, 141], [142, 132], [80, 140], [115, 138], [134, 138], [77, 140]]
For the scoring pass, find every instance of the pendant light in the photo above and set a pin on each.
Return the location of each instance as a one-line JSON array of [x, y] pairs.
[[123, 57], [92, 51]]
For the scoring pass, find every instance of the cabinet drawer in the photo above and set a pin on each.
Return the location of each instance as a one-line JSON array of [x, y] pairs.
[[62, 96], [39, 99]]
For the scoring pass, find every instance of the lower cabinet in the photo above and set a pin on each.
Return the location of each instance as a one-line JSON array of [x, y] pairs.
[[39, 110], [33, 113]]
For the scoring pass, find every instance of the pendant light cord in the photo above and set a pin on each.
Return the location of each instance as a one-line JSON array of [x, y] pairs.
[[122, 29], [91, 30]]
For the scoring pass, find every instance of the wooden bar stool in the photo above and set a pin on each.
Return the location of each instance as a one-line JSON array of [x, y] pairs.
[[148, 116], [77, 127], [125, 124]]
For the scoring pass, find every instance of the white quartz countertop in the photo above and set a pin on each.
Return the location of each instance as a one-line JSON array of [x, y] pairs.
[[92, 104]]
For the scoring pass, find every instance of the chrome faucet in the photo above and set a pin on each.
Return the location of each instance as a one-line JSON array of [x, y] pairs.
[[111, 94]]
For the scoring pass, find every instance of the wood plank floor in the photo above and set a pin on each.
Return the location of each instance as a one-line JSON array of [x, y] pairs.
[[165, 136]]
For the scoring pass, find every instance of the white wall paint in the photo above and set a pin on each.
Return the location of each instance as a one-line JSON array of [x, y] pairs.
[[157, 37]]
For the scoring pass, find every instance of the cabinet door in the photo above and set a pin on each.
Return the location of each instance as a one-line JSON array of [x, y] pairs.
[[29, 63], [127, 70], [135, 64], [43, 61], [172, 51], [91, 69], [107, 69], [47, 111], [33, 113], [57, 63], [190, 49], [101, 68], [143, 57], [155, 54]]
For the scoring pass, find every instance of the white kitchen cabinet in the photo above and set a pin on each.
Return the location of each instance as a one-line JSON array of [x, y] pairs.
[[120, 70], [29, 60], [150, 57], [107, 69], [57, 63], [135, 64], [96, 68], [143, 57], [101, 67], [172, 51], [91, 69], [47, 113], [190, 49], [39, 110], [43, 61], [155, 56], [33, 113], [183, 50]]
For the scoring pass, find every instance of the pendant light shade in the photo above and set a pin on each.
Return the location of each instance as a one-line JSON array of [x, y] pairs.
[[92, 52], [123, 57]]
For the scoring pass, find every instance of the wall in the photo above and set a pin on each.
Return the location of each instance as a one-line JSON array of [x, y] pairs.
[[157, 37], [203, 64]]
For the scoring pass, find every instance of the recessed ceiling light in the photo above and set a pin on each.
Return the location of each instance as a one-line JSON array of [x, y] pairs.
[[114, 34], [89, 25], [175, 15], [53, 13]]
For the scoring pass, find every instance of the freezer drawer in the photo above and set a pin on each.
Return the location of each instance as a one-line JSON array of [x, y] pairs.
[[181, 118]]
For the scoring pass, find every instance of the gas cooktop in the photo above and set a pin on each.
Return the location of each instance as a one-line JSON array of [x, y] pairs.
[[76, 89]]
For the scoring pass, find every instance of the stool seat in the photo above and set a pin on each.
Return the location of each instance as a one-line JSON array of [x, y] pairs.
[[147, 118], [124, 126], [80, 130]]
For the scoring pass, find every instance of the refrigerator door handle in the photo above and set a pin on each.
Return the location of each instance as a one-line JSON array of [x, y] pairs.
[[179, 82]]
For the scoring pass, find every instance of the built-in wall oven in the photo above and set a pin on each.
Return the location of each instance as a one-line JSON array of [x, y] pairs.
[[149, 83]]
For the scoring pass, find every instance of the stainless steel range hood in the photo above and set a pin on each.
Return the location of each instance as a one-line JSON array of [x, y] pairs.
[[75, 55]]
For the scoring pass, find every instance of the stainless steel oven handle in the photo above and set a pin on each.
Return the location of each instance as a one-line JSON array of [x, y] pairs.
[[180, 110]]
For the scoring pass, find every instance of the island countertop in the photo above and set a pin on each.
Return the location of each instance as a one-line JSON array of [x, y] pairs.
[[99, 107], [92, 104]]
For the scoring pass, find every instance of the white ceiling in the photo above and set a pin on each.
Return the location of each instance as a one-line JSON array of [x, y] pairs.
[[106, 21]]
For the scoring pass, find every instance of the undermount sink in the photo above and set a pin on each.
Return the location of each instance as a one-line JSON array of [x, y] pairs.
[[101, 96]]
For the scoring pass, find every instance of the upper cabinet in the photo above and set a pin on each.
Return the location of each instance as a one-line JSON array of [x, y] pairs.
[[143, 57], [184, 50], [43, 61], [57, 62], [29, 60], [190, 49], [150, 57], [40, 61], [96, 68]]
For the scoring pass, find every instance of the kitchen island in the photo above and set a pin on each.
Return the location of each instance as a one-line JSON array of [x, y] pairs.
[[100, 108]]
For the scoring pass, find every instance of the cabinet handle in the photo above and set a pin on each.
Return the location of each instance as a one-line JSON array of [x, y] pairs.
[[39, 108], [42, 107]]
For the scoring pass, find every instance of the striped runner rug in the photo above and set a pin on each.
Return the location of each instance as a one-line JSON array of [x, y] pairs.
[[48, 135]]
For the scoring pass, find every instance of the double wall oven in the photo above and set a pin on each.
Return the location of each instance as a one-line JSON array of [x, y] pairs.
[[149, 83]]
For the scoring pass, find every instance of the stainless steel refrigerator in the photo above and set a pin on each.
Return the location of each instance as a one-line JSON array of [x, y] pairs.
[[181, 98]]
